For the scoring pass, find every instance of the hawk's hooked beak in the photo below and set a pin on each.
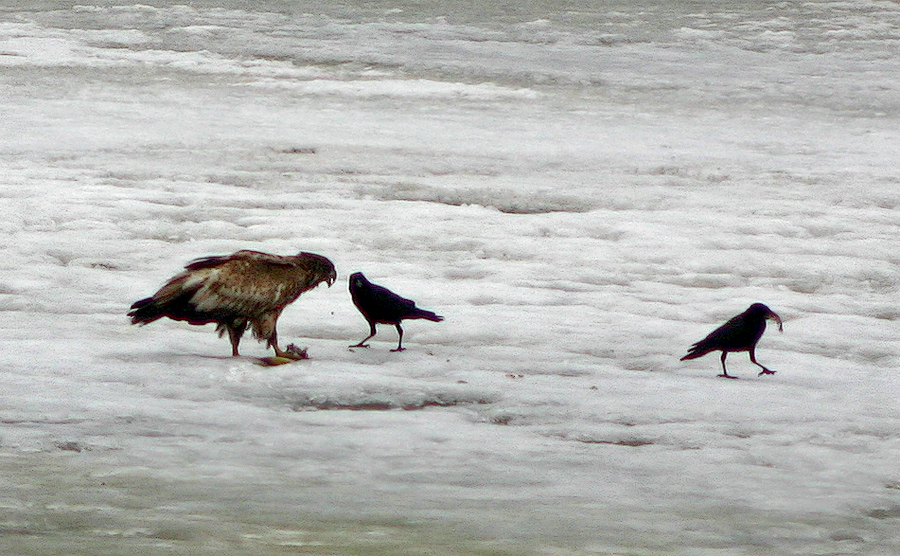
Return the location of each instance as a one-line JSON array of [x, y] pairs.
[[331, 278], [774, 316]]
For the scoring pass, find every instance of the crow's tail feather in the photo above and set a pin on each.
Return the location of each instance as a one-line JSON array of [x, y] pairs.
[[427, 315], [697, 350]]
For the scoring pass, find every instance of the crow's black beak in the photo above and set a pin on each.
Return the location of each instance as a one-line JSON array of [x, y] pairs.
[[774, 316]]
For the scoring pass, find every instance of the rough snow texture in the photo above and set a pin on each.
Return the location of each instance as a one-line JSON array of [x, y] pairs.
[[582, 190]]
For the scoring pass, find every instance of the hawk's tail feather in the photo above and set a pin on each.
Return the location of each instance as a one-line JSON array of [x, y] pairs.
[[178, 307], [145, 311]]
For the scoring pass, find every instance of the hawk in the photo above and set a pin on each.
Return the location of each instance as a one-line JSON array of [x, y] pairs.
[[247, 289]]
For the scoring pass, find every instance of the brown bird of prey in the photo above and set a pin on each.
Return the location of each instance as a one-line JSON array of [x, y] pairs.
[[245, 289], [740, 333], [380, 305]]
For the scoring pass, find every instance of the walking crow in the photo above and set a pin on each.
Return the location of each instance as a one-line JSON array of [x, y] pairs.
[[379, 305], [740, 333]]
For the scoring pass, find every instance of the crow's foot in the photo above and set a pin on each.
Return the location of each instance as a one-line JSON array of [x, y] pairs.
[[725, 375], [766, 372]]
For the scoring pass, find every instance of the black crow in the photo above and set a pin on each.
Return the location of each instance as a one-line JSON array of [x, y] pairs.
[[381, 305], [740, 333]]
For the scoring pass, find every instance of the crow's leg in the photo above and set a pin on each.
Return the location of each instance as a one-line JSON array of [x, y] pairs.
[[724, 370], [363, 343], [399, 343], [764, 371]]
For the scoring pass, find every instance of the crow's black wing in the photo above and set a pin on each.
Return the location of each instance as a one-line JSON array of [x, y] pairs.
[[380, 304], [738, 334]]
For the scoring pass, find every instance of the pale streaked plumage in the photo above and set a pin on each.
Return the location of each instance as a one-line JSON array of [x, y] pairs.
[[245, 289]]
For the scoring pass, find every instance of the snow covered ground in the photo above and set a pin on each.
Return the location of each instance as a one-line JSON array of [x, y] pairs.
[[583, 189]]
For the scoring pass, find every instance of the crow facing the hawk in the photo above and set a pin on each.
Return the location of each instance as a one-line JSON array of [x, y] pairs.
[[380, 305], [247, 289]]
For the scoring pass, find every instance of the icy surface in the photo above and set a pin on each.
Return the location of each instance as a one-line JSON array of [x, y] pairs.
[[583, 189]]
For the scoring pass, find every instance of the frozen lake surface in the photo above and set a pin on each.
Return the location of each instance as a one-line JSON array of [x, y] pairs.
[[583, 189]]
